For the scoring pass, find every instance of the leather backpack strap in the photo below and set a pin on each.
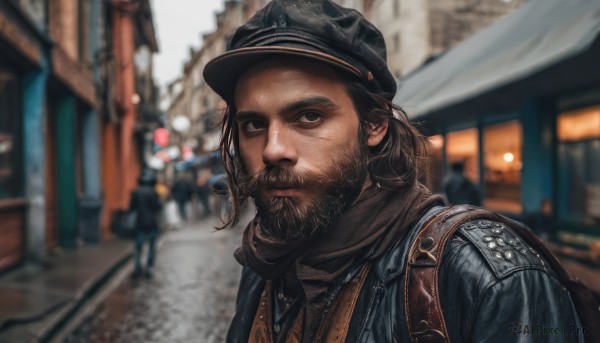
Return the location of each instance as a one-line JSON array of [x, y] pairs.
[[422, 304]]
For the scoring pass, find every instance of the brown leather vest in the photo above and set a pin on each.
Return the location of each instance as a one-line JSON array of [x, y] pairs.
[[333, 328]]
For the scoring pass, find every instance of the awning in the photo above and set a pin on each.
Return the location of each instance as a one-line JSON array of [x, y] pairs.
[[539, 34]]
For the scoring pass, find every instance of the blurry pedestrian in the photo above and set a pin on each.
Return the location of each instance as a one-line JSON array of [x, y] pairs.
[[203, 191], [182, 193], [146, 204], [542, 221], [458, 188]]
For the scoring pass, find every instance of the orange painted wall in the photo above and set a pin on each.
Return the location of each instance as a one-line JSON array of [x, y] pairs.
[[121, 165]]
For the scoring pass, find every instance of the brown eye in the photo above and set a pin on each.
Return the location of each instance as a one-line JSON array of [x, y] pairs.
[[253, 126], [309, 117]]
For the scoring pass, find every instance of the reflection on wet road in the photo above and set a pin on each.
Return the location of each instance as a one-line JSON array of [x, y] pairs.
[[189, 298]]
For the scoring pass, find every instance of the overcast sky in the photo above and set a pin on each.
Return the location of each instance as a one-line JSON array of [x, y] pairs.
[[179, 25]]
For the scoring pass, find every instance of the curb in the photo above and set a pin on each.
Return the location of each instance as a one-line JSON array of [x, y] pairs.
[[60, 319]]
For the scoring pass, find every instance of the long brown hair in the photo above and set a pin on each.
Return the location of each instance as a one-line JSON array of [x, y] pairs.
[[394, 163]]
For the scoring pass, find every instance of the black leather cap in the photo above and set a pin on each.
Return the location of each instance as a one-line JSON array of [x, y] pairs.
[[316, 29]]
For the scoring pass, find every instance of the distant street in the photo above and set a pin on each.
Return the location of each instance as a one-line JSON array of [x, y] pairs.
[[189, 298]]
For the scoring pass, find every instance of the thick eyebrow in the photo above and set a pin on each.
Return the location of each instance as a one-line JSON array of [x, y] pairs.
[[320, 101], [295, 106]]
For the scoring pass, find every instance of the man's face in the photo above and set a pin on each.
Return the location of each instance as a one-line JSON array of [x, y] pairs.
[[300, 147]]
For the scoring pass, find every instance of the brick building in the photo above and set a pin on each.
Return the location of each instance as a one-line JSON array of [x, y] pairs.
[[57, 94]]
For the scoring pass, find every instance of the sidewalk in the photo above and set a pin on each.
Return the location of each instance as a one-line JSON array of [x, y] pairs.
[[36, 301]]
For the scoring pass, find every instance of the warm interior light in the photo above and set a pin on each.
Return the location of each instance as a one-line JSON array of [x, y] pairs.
[[436, 141], [579, 124], [509, 157]]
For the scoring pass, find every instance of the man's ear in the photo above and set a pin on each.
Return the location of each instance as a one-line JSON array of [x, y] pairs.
[[376, 132]]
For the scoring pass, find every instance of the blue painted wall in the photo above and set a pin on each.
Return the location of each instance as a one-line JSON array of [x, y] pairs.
[[34, 104], [537, 173]]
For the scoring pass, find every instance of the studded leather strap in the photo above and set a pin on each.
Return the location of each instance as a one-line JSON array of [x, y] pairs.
[[422, 305]]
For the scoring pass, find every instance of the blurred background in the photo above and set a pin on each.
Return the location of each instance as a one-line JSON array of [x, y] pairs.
[[93, 93]]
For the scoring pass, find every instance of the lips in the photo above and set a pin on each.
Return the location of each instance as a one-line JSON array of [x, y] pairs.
[[283, 191]]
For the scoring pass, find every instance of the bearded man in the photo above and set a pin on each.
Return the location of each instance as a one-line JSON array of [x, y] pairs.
[[347, 245]]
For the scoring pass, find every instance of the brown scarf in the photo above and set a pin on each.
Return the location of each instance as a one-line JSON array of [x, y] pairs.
[[364, 232]]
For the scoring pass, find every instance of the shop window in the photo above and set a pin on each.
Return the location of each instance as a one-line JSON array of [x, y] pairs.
[[10, 134], [462, 146], [578, 165], [502, 163]]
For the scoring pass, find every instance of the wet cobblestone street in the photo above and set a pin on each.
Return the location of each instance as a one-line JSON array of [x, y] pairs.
[[189, 298]]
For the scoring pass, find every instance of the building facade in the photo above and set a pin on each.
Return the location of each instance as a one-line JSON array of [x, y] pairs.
[[518, 103], [53, 113], [24, 70], [191, 96], [130, 102]]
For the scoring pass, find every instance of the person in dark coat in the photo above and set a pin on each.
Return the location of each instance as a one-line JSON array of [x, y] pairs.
[[346, 245], [146, 204], [458, 188], [182, 192], [203, 192]]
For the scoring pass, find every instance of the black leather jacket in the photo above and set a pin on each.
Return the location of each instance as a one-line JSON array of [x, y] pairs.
[[485, 298]]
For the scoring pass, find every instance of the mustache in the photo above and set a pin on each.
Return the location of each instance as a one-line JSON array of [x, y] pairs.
[[283, 178]]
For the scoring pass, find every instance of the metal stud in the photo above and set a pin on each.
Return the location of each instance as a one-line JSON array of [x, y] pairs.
[[492, 245], [512, 241], [498, 255], [488, 239], [470, 226], [500, 242], [484, 223], [523, 251], [508, 254], [497, 231]]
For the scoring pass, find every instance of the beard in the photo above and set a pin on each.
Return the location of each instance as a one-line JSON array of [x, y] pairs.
[[288, 218]]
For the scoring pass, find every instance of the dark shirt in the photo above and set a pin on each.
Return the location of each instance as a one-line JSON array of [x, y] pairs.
[[146, 203], [182, 190], [460, 190]]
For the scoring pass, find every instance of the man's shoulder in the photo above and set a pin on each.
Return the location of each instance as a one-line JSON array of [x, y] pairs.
[[477, 246], [500, 249]]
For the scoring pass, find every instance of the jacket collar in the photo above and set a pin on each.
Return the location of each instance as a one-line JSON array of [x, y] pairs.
[[393, 263]]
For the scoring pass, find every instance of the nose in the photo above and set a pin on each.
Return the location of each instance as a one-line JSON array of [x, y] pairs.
[[279, 150]]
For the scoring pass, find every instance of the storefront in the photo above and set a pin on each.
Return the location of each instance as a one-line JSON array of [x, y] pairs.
[[578, 172], [519, 104], [12, 239], [22, 97]]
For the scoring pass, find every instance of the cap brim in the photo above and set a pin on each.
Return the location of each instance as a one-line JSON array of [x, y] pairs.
[[223, 72]]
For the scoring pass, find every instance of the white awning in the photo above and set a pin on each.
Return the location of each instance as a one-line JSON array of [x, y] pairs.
[[539, 34]]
